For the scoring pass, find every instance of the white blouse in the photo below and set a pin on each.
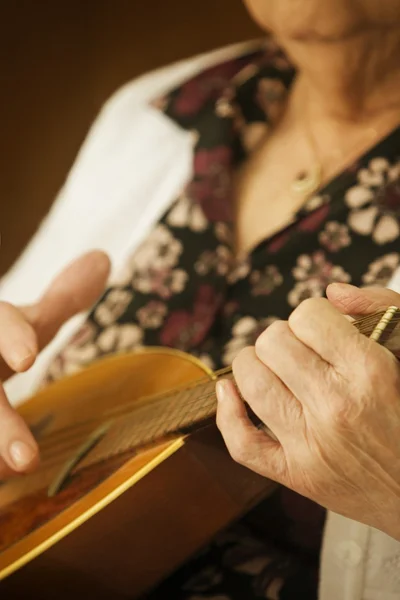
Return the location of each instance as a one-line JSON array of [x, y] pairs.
[[131, 167]]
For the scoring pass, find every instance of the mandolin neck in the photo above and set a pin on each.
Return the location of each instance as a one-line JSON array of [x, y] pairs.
[[185, 410], [191, 408]]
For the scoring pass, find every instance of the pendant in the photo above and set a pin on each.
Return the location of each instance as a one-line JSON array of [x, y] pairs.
[[308, 183]]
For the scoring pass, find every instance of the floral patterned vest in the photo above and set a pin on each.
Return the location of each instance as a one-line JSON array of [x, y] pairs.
[[182, 288]]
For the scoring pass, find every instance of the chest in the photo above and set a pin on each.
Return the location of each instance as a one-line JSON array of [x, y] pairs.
[[264, 199]]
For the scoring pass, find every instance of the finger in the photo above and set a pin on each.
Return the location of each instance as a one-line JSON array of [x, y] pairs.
[[5, 472], [265, 393], [302, 371], [351, 300], [75, 290], [18, 343], [246, 444], [321, 327], [18, 447]]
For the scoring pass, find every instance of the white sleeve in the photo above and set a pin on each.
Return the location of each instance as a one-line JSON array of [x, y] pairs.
[[132, 165], [90, 203]]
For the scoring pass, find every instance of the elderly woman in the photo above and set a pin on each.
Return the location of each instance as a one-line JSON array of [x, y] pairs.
[[227, 190]]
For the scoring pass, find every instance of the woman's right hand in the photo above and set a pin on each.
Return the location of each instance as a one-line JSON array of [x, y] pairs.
[[24, 331]]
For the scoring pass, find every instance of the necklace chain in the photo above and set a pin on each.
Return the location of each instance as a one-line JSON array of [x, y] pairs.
[[308, 182]]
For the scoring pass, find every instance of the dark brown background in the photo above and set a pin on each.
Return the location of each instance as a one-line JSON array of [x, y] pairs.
[[59, 61]]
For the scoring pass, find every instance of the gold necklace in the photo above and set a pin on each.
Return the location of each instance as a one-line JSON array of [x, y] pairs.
[[308, 182]]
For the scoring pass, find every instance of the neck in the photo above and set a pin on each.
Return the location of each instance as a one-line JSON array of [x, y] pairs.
[[352, 78]]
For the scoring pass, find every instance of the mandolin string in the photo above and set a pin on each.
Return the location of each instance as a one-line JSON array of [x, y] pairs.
[[147, 400], [364, 326], [162, 396], [55, 458], [143, 409], [121, 411]]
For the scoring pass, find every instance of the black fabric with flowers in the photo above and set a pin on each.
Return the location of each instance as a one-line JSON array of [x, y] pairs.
[[183, 288]]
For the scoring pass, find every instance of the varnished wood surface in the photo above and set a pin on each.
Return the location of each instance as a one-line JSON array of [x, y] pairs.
[[151, 528]]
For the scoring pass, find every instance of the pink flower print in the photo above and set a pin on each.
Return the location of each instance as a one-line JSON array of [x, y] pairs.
[[187, 213], [244, 333], [303, 290], [314, 220], [315, 266], [218, 261], [278, 241], [266, 281], [335, 236], [314, 273], [79, 352], [152, 315], [239, 271], [207, 361], [204, 87], [112, 307], [375, 201], [212, 184], [223, 233], [315, 202], [118, 338], [381, 270], [185, 329], [163, 282], [159, 251]]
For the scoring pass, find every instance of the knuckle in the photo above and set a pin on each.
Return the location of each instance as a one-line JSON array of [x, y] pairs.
[[305, 310], [266, 342], [244, 362], [342, 411], [243, 357], [253, 388]]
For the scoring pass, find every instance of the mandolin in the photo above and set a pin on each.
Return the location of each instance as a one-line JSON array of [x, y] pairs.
[[133, 478]]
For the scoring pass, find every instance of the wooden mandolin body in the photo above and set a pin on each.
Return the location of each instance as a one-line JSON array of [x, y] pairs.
[[119, 526]]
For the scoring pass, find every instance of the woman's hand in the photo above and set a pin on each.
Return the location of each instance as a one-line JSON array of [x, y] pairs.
[[331, 397], [25, 331]]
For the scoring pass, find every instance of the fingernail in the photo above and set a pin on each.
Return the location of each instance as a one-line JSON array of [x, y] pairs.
[[222, 391], [22, 454], [21, 355]]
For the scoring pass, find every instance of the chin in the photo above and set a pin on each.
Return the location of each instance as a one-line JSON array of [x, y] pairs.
[[307, 20]]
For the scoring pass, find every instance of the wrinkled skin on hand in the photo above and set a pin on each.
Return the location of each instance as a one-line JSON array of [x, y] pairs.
[[331, 397]]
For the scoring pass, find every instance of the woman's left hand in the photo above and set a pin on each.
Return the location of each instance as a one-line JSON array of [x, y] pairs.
[[331, 397]]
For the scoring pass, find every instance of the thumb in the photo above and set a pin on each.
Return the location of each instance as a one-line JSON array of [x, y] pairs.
[[355, 301], [74, 290]]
